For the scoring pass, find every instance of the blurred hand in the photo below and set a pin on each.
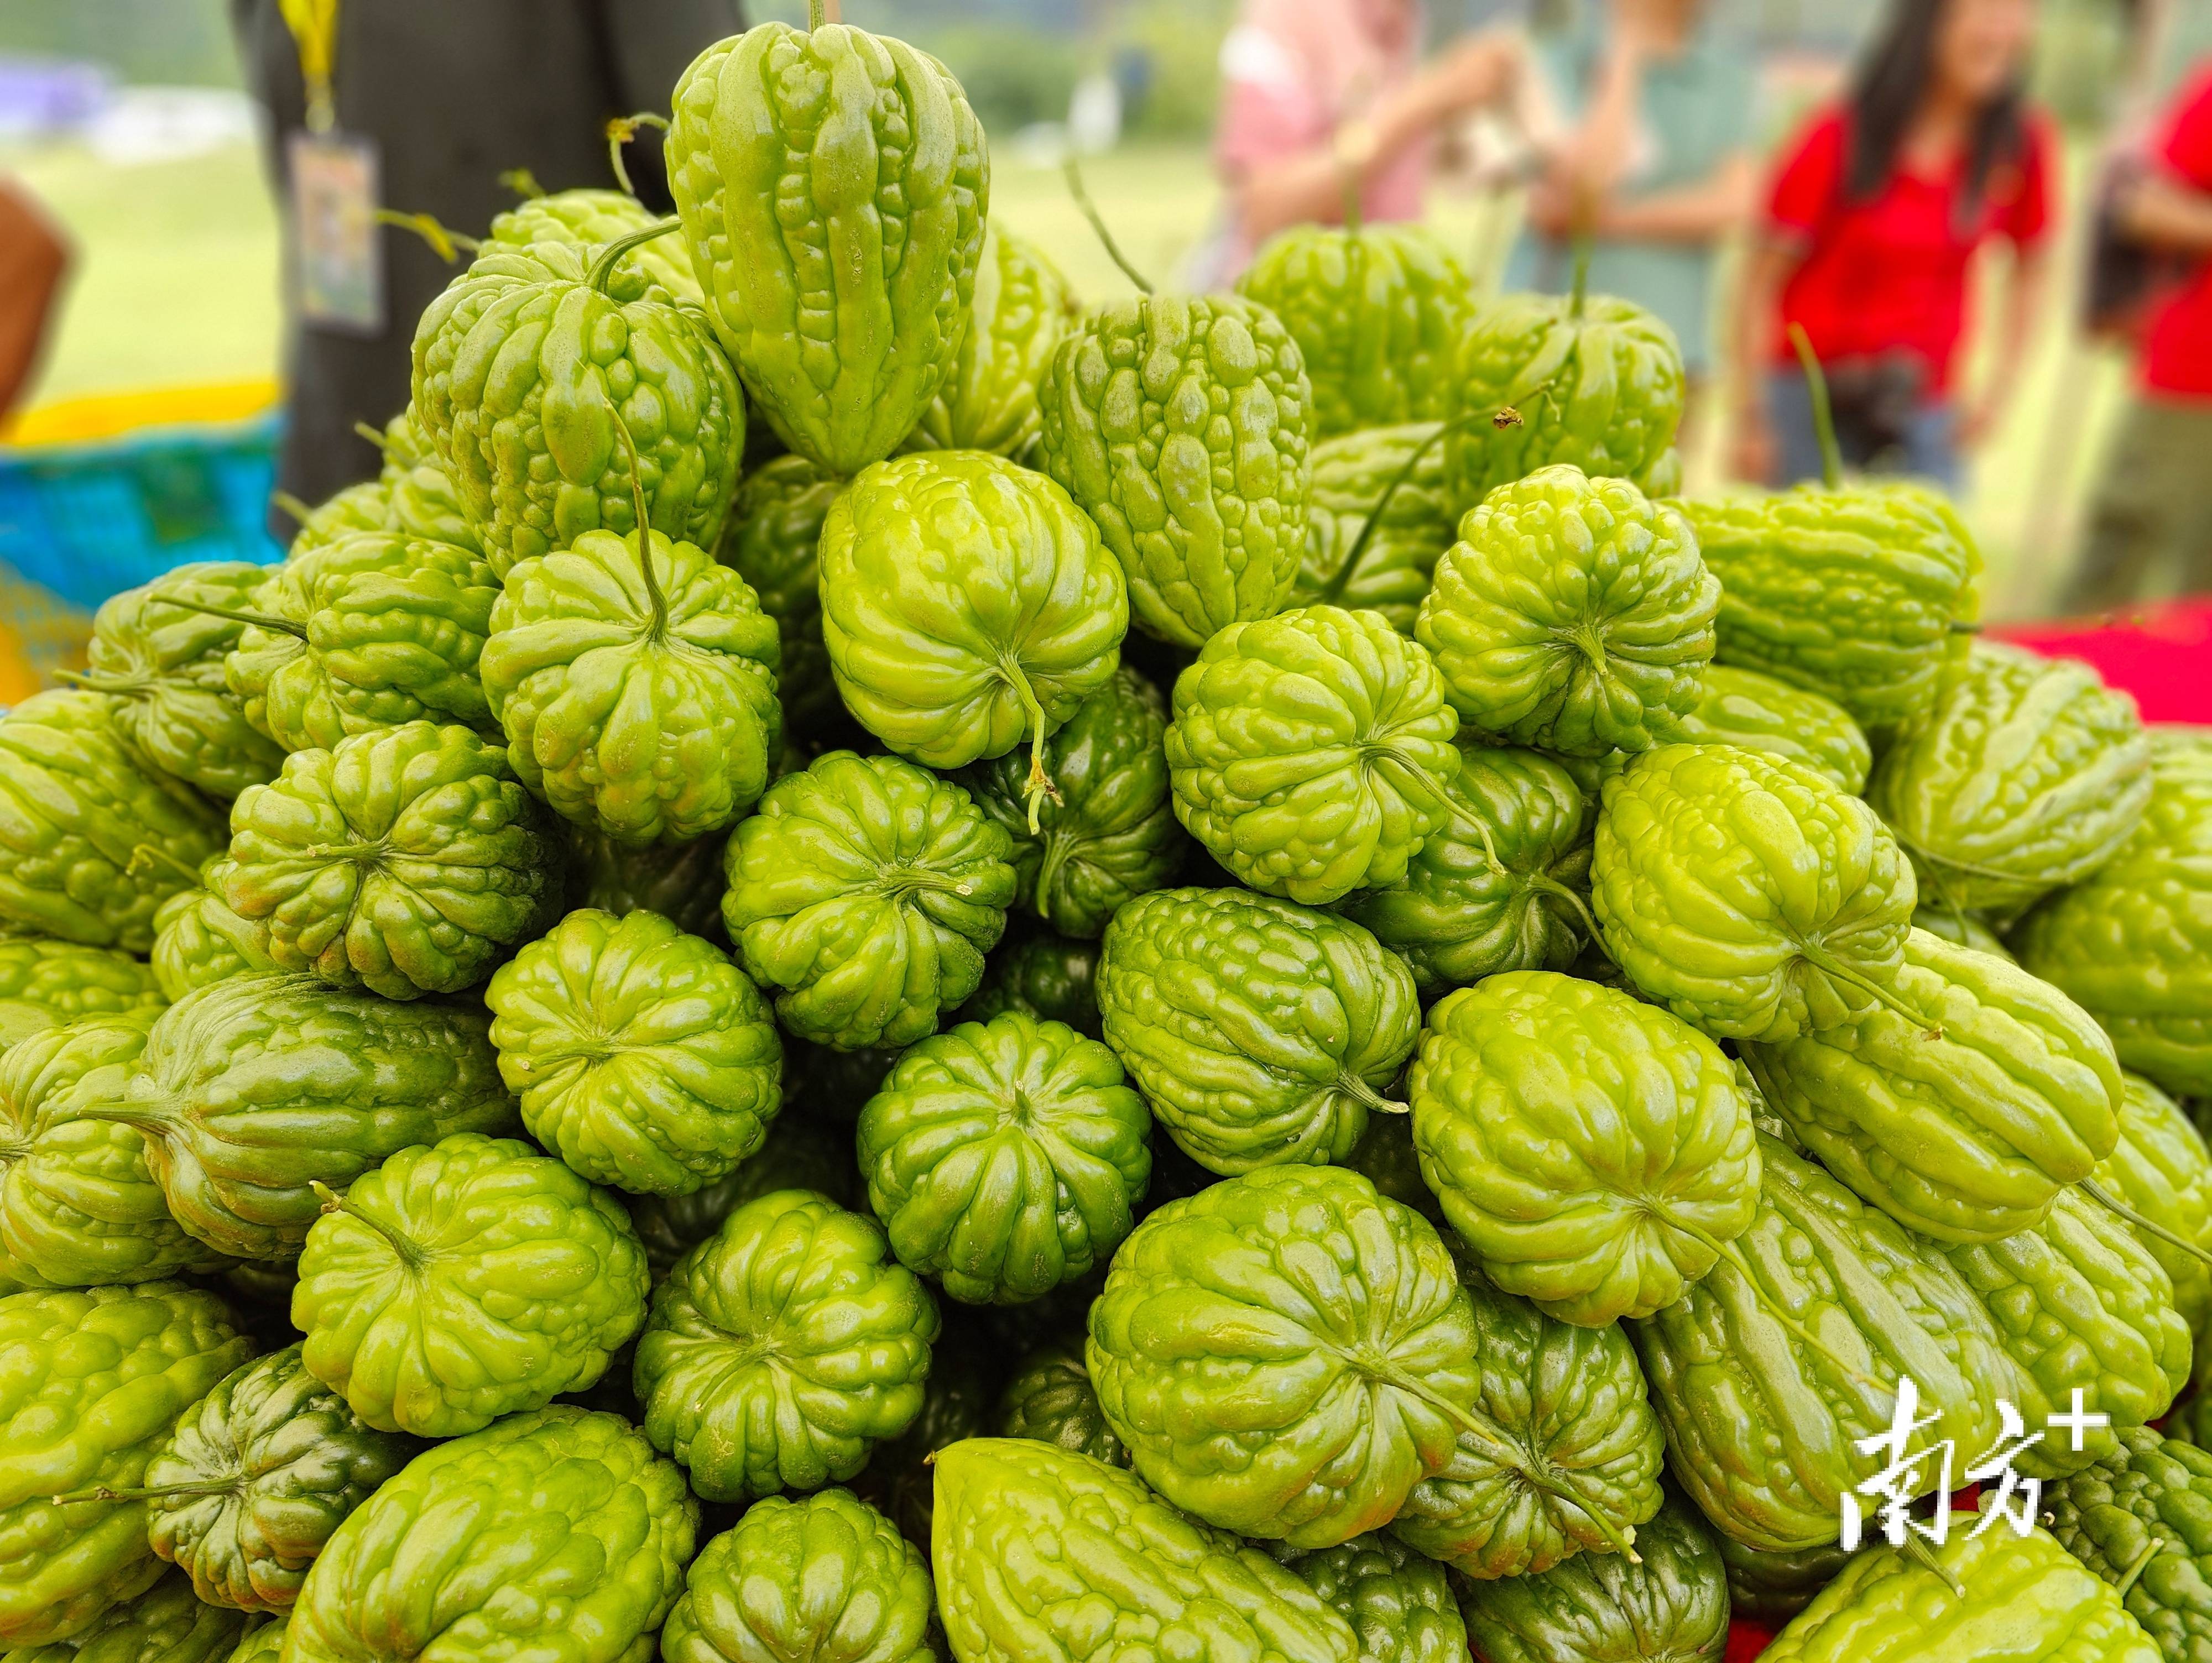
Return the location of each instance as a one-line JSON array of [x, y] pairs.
[[1638, 25], [1479, 69], [1753, 452], [1977, 422], [1551, 207]]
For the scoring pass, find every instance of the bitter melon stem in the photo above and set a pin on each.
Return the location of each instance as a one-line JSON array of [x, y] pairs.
[[1090, 210], [410, 1253], [148, 1493], [1039, 786], [447, 245], [653, 595], [2150, 1227], [1502, 1450], [1824, 419], [250, 620], [620, 130]]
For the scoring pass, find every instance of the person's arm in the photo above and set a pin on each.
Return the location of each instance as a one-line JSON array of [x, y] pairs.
[[1766, 267], [1310, 184], [2167, 213], [32, 259], [1594, 156], [1699, 212]]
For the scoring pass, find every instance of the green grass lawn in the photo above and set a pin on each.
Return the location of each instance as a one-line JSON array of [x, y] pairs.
[[175, 282]]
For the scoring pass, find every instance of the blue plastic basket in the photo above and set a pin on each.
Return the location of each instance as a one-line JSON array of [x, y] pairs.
[[84, 521]]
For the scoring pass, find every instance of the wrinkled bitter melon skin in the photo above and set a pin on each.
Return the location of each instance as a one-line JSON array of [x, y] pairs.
[[2146, 1489], [198, 940], [1850, 593], [525, 378], [1571, 1462], [464, 1281], [1397, 1601], [165, 1624], [402, 861], [783, 1348], [1747, 894], [773, 542], [827, 1577], [1771, 1588], [1599, 385], [1259, 1032], [1005, 1157], [1286, 1354], [966, 606], [1309, 752], [2026, 1598], [1574, 614], [163, 665], [833, 186], [1753, 711], [294, 1460], [1041, 1552], [1023, 308], [1593, 1150], [1459, 915], [2029, 774], [2134, 943], [1600, 1608], [1109, 833], [1760, 1426], [1966, 1137], [1181, 427], [253, 1089], [368, 632], [2161, 1169], [1046, 976], [1378, 314], [642, 1056], [78, 802], [557, 1533], [1049, 1399], [2080, 1306], [866, 891], [798, 1153], [956, 1403], [590, 219], [681, 882], [1351, 472], [647, 723], [44, 983], [78, 1205], [90, 1383]]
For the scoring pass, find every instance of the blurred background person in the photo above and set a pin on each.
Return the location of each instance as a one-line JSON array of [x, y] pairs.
[[2150, 522], [1876, 210], [1654, 105], [1319, 97], [446, 98], [34, 260]]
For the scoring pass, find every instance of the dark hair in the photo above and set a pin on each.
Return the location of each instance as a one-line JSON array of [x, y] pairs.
[[1887, 93]]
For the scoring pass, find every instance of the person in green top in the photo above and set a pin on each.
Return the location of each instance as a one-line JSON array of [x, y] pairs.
[[1653, 153]]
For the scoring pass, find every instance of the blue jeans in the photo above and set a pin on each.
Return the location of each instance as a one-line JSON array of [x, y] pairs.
[[1930, 448]]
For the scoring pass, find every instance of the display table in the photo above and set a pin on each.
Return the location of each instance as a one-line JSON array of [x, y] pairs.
[[2163, 654]]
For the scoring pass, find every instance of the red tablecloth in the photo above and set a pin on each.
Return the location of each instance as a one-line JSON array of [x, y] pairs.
[[2162, 655]]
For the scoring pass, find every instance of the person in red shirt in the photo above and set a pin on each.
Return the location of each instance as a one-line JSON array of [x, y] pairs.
[[1874, 218], [2152, 517]]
